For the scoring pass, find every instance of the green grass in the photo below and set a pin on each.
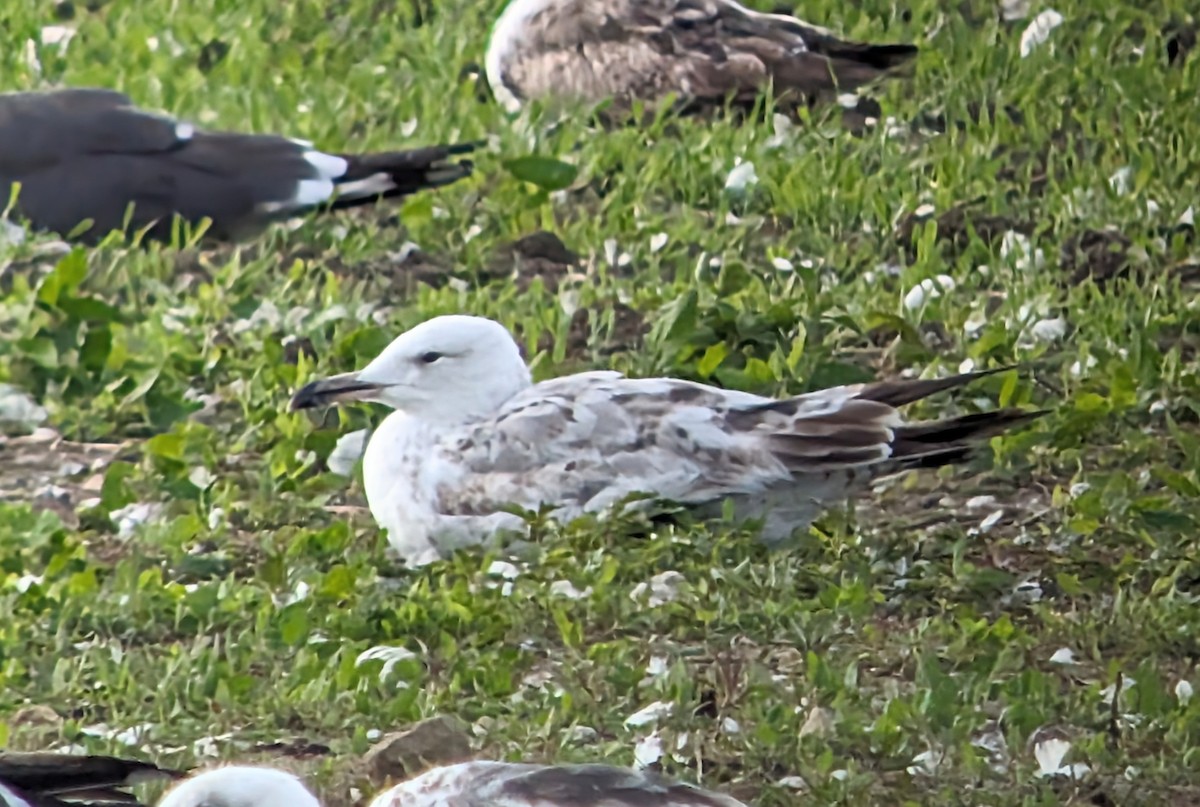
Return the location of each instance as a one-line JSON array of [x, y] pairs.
[[912, 629]]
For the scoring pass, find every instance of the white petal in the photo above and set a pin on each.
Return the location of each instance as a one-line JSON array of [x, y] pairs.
[[650, 714], [741, 177], [1050, 754], [1039, 30]]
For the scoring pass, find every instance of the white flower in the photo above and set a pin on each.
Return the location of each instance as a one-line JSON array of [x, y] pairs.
[[1063, 655], [1120, 181], [1049, 330], [741, 177], [929, 288], [1039, 30], [661, 589], [389, 655], [926, 763], [1050, 754], [1017, 247], [502, 568], [648, 751], [650, 714], [1183, 692], [567, 589], [658, 666]]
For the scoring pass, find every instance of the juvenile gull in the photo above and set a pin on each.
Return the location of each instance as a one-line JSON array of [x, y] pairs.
[[472, 434], [706, 52], [88, 154], [467, 784]]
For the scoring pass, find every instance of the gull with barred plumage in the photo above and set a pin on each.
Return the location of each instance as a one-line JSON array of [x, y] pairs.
[[471, 435], [61, 780], [705, 53]]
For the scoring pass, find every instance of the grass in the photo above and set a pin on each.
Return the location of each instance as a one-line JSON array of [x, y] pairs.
[[907, 651]]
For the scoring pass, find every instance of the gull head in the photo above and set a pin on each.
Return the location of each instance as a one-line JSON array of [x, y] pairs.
[[240, 786], [449, 369]]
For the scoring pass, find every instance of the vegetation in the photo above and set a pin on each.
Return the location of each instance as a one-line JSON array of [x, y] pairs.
[[182, 573]]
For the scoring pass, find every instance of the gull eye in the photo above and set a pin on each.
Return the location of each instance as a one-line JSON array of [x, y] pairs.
[[429, 356]]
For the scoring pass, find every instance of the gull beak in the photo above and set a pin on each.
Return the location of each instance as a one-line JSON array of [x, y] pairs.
[[333, 390]]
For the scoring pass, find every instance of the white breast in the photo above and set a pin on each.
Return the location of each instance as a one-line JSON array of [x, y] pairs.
[[398, 491]]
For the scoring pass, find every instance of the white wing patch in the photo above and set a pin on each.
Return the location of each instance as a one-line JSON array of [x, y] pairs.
[[328, 166]]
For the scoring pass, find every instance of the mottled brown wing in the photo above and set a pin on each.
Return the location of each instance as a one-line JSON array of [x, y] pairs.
[[700, 50], [604, 786]]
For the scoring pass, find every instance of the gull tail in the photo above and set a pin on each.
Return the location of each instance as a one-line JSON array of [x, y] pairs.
[[369, 177], [833, 65], [859, 426], [47, 779], [946, 442], [880, 58], [932, 443]]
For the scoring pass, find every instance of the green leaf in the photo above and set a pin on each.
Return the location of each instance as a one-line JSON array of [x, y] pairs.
[[875, 320], [40, 350], [677, 319], [759, 371], [114, 493], [65, 277], [798, 343], [712, 359], [293, 623], [1090, 402], [87, 309], [338, 583], [96, 347], [167, 446], [545, 172], [143, 386]]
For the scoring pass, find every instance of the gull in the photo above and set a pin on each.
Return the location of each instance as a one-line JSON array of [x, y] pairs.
[[704, 52], [53, 780], [499, 784], [46, 779], [88, 159], [471, 436]]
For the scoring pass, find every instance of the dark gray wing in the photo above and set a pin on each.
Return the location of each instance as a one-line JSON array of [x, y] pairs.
[[51, 779], [89, 154]]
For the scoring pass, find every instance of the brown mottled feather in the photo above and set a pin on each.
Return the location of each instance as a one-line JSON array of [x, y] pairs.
[[505, 784], [595, 438]]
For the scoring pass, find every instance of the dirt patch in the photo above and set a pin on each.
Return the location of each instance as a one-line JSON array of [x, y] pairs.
[[1109, 254], [52, 473], [588, 338], [1102, 255], [541, 254], [957, 226]]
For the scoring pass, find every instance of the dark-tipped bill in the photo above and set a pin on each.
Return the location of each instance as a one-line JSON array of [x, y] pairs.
[[333, 390]]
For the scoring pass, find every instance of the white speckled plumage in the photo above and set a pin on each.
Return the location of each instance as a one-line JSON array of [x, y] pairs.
[[471, 434]]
